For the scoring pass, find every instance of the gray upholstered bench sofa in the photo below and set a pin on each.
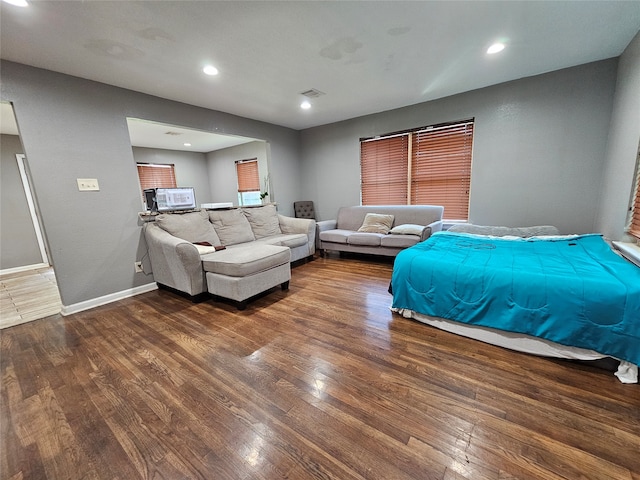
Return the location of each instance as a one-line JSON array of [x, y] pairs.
[[500, 231], [249, 235], [386, 231]]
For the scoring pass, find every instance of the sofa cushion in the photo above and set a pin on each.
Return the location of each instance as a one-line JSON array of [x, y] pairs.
[[399, 241], [243, 261], [291, 240], [363, 238], [335, 236], [263, 220], [231, 226], [376, 223], [192, 226]]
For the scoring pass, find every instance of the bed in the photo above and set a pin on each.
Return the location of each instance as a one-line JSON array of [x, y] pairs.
[[559, 296]]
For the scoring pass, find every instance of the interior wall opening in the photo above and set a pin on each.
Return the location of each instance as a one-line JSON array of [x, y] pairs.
[[203, 160]]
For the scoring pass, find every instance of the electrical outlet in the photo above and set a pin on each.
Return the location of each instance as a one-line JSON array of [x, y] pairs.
[[88, 184], [138, 267]]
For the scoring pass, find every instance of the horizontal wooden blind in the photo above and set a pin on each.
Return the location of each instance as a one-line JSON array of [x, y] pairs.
[[634, 229], [441, 168], [384, 170], [156, 176], [248, 176]]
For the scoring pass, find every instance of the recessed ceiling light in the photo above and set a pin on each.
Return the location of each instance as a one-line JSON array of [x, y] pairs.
[[17, 3], [210, 70], [305, 105], [187, 144], [495, 48]]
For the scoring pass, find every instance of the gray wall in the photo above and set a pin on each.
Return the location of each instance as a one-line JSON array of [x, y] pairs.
[[539, 146], [190, 168], [539, 157], [622, 147], [18, 242], [74, 128], [222, 169]]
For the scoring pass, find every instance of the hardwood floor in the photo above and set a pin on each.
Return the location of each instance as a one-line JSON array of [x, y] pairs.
[[27, 296], [321, 381]]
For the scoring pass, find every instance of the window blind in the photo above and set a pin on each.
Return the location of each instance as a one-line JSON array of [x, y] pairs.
[[248, 176], [384, 170], [156, 176], [422, 166], [441, 168]]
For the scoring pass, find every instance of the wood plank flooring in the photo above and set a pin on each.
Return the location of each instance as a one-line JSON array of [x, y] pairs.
[[318, 382], [27, 296]]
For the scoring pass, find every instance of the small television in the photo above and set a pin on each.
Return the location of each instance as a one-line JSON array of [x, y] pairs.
[[173, 199]]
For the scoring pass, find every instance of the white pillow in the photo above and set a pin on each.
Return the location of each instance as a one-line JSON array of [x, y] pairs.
[[204, 249], [408, 229], [376, 223]]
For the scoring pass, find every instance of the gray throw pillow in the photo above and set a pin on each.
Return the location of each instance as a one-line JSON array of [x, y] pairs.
[[263, 220], [192, 227], [231, 226]]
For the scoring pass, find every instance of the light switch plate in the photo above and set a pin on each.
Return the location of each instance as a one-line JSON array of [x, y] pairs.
[[88, 184]]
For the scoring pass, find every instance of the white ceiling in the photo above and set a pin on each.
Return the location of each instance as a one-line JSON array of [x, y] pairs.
[[366, 56], [148, 134]]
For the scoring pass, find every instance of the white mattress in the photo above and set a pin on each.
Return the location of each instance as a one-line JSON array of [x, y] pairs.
[[627, 372]]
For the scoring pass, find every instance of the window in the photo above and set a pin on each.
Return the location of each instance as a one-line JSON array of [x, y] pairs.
[[248, 182], [153, 175], [384, 170], [423, 166]]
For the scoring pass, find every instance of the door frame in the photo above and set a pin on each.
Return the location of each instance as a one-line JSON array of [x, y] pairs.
[[33, 211]]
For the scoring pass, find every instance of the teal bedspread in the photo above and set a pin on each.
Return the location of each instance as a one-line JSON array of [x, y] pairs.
[[574, 291]]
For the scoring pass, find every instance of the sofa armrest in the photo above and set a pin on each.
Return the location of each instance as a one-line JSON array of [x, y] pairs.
[[430, 229], [174, 262], [327, 225], [323, 226], [300, 225]]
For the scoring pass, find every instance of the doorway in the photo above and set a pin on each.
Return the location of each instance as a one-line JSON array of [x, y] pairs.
[[28, 287]]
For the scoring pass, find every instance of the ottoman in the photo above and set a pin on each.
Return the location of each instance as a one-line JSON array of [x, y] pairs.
[[239, 273]]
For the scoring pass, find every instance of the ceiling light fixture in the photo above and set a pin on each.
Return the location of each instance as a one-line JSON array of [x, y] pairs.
[[311, 93], [187, 144], [495, 48], [210, 70], [17, 3]]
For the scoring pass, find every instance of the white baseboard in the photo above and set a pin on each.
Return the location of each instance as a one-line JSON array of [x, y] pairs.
[[24, 268], [112, 297]]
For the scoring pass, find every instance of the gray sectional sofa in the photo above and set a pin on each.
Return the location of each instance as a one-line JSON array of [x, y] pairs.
[[386, 231], [250, 236]]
